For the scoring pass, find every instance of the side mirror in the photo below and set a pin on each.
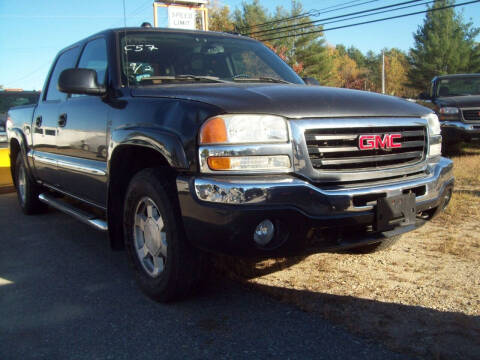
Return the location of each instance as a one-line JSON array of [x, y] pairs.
[[423, 96], [80, 81], [310, 81]]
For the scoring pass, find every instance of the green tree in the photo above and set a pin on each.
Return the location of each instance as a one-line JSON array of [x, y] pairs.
[[219, 18], [249, 16], [396, 69], [341, 49], [444, 44], [306, 53], [356, 55]]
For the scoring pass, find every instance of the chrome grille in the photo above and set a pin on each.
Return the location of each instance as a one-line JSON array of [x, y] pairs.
[[471, 114], [337, 149]]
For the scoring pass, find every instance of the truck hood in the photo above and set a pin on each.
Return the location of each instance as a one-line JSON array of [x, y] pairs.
[[459, 101], [291, 101]]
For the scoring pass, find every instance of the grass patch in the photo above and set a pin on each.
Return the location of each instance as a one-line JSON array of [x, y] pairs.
[[420, 297]]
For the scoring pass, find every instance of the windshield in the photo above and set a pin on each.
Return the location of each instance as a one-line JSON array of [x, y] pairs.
[[458, 86], [163, 58], [11, 99]]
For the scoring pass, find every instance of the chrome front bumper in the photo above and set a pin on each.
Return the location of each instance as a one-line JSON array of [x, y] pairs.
[[314, 201]]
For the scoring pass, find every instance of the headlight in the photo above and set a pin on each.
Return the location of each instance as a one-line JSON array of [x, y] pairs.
[[435, 139], [433, 124], [245, 143], [244, 129], [448, 111]]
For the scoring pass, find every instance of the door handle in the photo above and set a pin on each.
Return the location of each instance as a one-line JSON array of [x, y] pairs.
[[62, 120], [38, 121]]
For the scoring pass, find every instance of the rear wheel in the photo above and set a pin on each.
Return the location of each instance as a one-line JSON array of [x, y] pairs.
[[27, 190], [166, 266]]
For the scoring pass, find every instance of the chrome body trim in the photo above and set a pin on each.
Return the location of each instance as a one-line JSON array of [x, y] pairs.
[[297, 150], [470, 121], [43, 159], [465, 127], [291, 191], [303, 165], [76, 164], [81, 168]]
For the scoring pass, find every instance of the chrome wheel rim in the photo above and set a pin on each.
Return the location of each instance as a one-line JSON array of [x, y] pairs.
[[150, 237], [21, 183]]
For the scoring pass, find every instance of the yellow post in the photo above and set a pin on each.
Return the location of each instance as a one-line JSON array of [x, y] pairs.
[[6, 183], [155, 16], [205, 16]]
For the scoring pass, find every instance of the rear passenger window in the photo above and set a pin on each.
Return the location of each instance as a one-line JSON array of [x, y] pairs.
[[66, 60], [94, 57]]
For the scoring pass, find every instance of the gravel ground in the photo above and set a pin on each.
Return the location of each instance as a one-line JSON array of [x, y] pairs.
[[420, 297], [65, 295]]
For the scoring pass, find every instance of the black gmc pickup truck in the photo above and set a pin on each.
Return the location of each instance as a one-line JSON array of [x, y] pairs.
[[456, 101], [184, 143]]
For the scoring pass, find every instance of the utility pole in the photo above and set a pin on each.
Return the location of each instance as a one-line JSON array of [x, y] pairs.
[[383, 72]]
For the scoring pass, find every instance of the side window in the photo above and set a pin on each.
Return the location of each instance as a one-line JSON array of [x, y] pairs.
[[66, 60], [94, 57]]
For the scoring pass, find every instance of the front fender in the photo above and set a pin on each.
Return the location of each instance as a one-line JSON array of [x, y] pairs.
[[167, 144]]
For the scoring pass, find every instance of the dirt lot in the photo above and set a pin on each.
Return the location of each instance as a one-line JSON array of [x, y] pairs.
[[420, 297]]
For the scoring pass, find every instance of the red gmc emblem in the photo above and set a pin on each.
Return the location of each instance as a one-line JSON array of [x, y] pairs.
[[371, 142]]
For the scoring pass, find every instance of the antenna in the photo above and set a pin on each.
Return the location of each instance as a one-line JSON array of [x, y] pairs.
[[125, 37]]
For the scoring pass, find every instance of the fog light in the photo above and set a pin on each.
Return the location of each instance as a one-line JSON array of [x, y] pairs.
[[264, 232], [446, 199]]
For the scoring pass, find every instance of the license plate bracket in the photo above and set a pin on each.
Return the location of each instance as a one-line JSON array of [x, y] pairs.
[[399, 210]]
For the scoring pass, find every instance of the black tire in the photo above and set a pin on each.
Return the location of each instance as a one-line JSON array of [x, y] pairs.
[[27, 190], [372, 248], [183, 264]]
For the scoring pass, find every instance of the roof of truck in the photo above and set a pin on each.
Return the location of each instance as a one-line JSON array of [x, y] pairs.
[[455, 76], [169, 30], [159, 30]]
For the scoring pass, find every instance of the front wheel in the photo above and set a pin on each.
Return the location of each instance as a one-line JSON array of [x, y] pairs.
[[166, 266]]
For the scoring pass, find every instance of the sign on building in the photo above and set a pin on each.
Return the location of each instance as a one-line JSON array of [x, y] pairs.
[[181, 18]]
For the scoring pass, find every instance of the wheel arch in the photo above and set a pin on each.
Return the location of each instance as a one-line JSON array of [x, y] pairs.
[[18, 147], [132, 152]]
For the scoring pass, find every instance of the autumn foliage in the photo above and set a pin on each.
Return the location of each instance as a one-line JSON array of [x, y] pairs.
[[309, 54]]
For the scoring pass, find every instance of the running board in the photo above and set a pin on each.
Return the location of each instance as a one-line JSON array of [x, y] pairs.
[[83, 216]]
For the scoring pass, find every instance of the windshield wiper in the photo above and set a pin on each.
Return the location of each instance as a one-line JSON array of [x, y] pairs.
[[170, 78], [201, 77], [260, 79]]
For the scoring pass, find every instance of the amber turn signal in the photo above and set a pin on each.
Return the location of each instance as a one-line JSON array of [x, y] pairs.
[[213, 131], [219, 163]]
